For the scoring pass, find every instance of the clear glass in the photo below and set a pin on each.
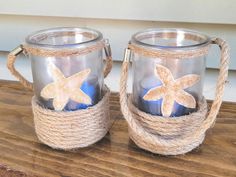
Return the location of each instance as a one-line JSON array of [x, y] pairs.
[[67, 38], [144, 77]]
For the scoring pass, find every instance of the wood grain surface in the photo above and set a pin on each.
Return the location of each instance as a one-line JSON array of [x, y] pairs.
[[21, 154]]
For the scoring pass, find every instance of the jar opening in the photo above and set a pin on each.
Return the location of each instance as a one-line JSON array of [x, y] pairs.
[[63, 37], [170, 38]]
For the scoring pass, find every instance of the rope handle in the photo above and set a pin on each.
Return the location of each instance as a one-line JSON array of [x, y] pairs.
[[108, 64], [11, 58], [223, 74], [221, 81]]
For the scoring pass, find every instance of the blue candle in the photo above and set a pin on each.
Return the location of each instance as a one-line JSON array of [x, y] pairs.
[[154, 107], [90, 88]]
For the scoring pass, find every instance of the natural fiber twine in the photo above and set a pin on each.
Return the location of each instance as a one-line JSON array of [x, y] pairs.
[[172, 136], [168, 54], [67, 130], [75, 129]]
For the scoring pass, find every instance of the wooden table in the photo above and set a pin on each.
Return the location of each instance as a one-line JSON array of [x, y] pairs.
[[21, 154]]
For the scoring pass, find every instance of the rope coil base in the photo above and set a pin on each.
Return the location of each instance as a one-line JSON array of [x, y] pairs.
[[170, 130], [72, 130]]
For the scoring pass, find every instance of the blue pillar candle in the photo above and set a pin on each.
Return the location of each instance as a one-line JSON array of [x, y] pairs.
[[154, 107], [91, 88]]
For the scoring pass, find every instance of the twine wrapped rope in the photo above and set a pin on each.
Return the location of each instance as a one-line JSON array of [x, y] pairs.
[[75, 129], [170, 136], [67, 130]]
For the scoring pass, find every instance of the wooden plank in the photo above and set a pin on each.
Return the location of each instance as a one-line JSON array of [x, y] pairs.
[[21, 154], [197, 11]]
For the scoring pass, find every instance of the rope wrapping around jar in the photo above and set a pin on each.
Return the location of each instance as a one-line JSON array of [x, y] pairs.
[[73, 129], [170, 136]]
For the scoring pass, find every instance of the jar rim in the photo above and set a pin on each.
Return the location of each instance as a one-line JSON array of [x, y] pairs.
[[200, 38], [34, 38]]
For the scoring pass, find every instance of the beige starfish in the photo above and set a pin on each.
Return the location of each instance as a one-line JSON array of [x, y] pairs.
[[63, 89], [172, 90]]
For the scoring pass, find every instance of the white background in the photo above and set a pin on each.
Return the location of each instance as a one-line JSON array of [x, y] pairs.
[[119, 19]]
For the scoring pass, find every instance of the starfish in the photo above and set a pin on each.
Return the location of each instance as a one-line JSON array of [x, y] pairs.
[[172, 90], [63, 89]]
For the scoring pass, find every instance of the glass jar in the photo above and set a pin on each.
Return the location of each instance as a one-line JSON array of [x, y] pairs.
[[144, 67], [67, 67]]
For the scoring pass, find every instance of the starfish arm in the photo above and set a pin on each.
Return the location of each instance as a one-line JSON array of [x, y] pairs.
[[48, 91], [60, 101], [155, 93], [80, 97], [56, 73], [167, 105], [164, 74], [185, 99], [75, 81], [187, 81]]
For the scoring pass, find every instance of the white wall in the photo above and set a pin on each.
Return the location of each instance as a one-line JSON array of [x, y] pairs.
[[198, 11], [14, 28], [119, 19]]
